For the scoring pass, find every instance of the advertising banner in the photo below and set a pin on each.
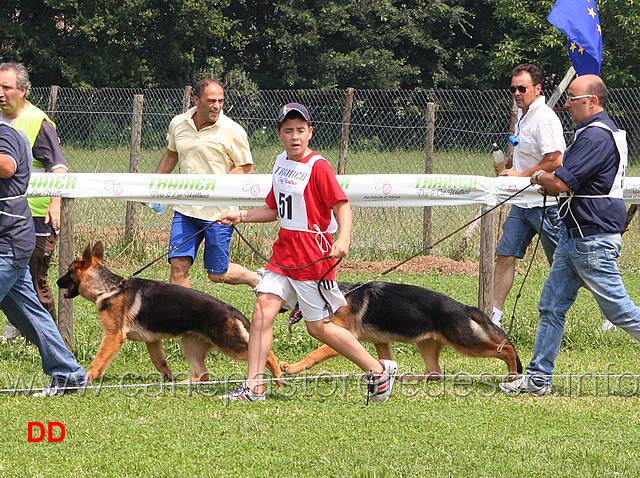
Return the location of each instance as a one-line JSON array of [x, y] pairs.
[[374, 190]]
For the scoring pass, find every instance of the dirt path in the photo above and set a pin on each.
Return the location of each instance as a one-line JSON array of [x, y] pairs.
[[418, 264]]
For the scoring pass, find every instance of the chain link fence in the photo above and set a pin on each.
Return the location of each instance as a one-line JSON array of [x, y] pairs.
[[359, 132]]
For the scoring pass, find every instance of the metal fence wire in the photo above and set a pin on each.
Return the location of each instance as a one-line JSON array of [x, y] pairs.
[[387, 134]]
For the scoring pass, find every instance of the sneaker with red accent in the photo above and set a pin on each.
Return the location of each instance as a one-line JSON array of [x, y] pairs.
[[243, 392], [380, 386]]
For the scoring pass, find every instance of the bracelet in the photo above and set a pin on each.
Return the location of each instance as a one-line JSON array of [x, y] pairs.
[[536, 174], [241, 216]]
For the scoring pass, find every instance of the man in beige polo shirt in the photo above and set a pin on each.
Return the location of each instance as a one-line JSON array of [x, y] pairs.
[[205, 141]]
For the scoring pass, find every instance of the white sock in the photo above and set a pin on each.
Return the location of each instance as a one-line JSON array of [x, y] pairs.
[[497, 316]]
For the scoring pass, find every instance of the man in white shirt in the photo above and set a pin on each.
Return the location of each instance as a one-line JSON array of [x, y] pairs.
[[540, 147]]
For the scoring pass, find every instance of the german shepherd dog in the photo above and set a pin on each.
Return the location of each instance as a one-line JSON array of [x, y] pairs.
[[149, 311], [384, 312]]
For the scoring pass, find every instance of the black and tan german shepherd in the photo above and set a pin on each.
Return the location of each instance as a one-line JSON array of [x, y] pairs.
[[149, 311], [384, 312]]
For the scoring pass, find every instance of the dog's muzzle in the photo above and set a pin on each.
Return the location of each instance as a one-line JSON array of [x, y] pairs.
[[66, 282]]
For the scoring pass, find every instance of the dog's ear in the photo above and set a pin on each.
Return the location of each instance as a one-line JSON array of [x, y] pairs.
[[98, 252], [86, 255]]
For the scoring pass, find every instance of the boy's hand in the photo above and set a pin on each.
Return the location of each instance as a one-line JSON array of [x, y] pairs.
[[229, 218], [339, 249]]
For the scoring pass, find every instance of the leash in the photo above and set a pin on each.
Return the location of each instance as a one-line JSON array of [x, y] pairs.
[[253, 249], [259, 254], [431, 246], [171, 249], [295, 319]]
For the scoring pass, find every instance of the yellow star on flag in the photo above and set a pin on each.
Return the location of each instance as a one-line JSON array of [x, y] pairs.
[[581, 50], [592, 13], [573, 47], [599, 29]]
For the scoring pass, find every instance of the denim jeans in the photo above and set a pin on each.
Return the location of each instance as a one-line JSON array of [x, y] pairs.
[[522, 224], [19, 302], [590, 261]]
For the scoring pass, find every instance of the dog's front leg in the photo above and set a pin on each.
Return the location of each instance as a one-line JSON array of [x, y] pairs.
[[110, 346], [430, 351], [156, 352], [384, 350], [313, 358]]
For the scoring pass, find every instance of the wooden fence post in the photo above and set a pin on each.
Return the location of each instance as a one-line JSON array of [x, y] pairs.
[[134, 162], [487, 252], [66, 256], [346, 125], [428, 169], [53, 100], [186, 99]]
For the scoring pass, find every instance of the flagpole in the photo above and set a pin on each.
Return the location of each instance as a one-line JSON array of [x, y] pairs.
[[564, 84]]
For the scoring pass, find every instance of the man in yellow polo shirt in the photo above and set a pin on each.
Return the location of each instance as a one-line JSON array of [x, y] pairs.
[[205, 141], [47, 157]]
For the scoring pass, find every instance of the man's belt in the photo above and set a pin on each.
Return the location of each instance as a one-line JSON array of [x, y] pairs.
[[585, 231]]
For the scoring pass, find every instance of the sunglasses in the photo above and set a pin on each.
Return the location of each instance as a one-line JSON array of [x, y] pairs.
[[520, 88], [571, 99]]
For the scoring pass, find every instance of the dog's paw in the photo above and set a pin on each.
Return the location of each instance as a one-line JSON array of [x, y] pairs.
[[92, 376], [289, 369], [203, 378], [284, 366]]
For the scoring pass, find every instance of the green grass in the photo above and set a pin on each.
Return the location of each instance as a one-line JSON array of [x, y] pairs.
[[459, 427]]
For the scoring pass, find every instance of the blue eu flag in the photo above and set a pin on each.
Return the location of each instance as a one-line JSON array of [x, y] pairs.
[[579, 20]]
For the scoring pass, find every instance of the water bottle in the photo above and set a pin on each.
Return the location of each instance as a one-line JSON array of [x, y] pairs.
[[158, 208], [498, 158]]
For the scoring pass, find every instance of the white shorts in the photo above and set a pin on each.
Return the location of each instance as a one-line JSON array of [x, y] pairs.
[[303, 293]]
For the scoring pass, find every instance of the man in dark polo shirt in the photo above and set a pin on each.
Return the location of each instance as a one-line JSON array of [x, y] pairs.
[[590, 185], [18, 299]]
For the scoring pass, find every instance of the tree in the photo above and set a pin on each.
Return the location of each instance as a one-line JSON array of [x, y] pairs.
[[28, 36], [527, 36], [98, 43], [302, 43], [341, 43]]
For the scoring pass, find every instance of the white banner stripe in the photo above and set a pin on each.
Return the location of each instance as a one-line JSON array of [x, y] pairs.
[[375, 190]]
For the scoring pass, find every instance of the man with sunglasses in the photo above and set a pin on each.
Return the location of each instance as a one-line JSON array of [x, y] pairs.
[[590, 186], [540, 146]]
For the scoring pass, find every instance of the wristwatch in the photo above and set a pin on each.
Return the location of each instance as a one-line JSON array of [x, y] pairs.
[[535, 176]]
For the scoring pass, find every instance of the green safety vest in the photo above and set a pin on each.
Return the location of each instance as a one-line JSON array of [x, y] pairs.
[[30, 121]]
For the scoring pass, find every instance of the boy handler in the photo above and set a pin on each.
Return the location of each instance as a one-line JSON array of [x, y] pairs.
[[304, 197]]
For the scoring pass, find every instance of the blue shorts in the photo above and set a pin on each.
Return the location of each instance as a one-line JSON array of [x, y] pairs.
[[217, 238], [520, 227]]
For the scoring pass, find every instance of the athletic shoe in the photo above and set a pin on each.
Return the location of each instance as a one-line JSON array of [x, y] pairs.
[[244, 393], [606, 325], [294, 317], [525, 385], [10, 332], [380, 386], [496, 317], [51, 390]]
